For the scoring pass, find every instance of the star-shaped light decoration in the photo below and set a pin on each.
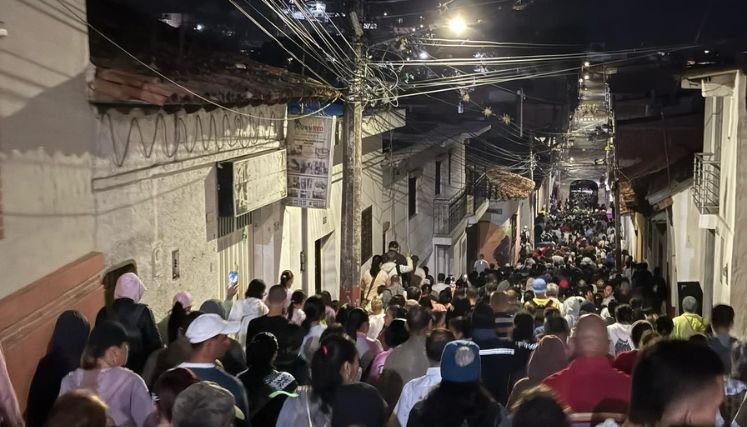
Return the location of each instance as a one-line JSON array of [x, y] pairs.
[[465, 97], [487, 112], [506, 119]]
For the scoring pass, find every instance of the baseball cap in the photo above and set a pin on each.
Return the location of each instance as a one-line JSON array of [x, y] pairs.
[[539, 286], [210, 325], [588, 307], [460, 362], [205, 404]]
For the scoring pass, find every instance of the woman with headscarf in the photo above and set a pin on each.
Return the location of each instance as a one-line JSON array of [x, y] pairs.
[[548, 358], [184, 299], [63, 356], [234, 361], [142, 334]]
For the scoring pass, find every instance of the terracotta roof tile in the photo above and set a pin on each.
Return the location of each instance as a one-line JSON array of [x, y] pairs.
[[508, 185], [229, 84]]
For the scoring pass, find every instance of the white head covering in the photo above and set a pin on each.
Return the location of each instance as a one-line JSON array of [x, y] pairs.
[[129, 286]]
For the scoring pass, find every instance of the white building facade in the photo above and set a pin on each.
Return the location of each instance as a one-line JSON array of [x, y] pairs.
[[717, 187]]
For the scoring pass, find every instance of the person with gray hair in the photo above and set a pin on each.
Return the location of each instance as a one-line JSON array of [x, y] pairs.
[[553, 291], [205, 404], [690, 322]]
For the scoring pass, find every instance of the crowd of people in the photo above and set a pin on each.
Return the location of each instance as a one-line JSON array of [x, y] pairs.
[[557, 339]]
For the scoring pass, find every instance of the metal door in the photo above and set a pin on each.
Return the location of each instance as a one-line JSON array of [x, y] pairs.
[[235, 254]]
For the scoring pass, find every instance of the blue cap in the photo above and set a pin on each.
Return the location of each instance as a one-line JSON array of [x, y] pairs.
[[460, 362], [539, 286]]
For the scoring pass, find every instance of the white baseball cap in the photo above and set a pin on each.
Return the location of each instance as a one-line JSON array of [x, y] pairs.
[[207, 326]]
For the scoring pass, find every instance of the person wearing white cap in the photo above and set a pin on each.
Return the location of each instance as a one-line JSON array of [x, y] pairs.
[[208, 335]]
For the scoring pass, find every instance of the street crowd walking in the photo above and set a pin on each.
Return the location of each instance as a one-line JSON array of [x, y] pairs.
[[558, 339]]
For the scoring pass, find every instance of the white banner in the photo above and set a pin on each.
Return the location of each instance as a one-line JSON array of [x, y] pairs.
[[258, 181], [309, 161]]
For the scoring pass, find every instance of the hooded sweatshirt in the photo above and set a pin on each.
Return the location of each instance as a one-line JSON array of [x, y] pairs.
[[245, 311], [549, 358], [620, 340], [573, 310], [122, 390]]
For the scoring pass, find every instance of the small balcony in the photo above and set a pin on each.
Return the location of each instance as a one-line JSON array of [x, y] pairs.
[[448, 213], [706, 179]]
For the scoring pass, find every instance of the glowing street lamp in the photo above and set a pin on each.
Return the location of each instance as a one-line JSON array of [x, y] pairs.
[[423, 55], [457, 25]]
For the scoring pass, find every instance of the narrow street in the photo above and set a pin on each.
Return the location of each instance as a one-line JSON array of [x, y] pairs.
[[372, 213]]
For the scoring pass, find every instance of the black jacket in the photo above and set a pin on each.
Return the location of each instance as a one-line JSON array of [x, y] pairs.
[[501, 366], [142, 332]]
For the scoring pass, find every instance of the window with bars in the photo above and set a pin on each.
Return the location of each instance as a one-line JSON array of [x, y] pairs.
[[229, 224], [438, 178], [366, 234], [412, 196]]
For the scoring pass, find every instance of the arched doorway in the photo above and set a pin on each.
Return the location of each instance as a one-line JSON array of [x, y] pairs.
[[584, 194], [110, 278]]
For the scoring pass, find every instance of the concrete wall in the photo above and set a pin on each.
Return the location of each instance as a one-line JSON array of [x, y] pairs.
[[158, 194], [46, 130], [688, 239], [324, 224], [495, 236], [415, 234], [738, 294]]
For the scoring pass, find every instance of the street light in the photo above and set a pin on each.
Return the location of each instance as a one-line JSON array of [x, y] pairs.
[[423, 55], [457, 25]]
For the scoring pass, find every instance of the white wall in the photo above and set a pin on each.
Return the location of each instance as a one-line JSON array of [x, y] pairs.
[[325, 223], [688, 238], [46, 129], [150, 202], [738, 297], [724, 239], [415, 235]]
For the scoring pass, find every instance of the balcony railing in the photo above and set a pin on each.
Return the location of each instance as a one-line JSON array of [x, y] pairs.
[[706, 179], [448, 213], [480, 192]]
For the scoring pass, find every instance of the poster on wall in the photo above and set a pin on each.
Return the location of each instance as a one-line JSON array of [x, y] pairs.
[[309, 161], [259, 181]]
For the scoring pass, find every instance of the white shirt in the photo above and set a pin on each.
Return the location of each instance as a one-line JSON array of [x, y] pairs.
[[375, 325], [620, 340], [415, 391], [481, 265], [311, 342], [438, 287]]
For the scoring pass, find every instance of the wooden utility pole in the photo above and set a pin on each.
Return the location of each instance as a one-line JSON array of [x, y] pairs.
[[352, 168]]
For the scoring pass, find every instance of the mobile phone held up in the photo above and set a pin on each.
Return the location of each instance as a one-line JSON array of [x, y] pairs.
[[233, 279]]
